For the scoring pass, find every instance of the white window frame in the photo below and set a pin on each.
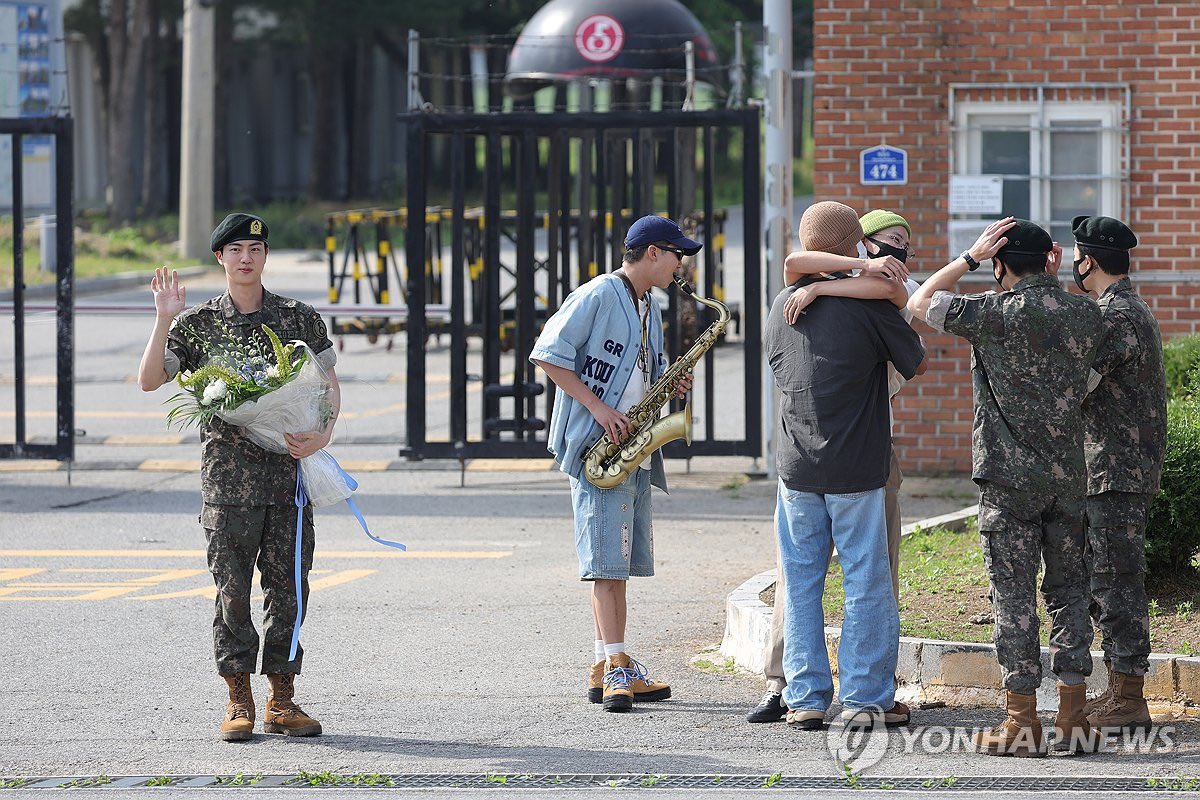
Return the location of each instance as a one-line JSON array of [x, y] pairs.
[[1038, 119]]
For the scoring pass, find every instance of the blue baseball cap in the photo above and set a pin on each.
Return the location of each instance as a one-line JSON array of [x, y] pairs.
[[652, 230]]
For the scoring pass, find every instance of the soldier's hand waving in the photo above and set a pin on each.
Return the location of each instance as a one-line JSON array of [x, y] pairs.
[[170, 296]]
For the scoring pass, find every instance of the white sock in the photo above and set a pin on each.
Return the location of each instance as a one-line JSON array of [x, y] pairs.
[[600, 650], [614, 648]]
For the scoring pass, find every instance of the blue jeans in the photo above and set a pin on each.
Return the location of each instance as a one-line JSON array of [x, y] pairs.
[[807, 525], [614, 535]]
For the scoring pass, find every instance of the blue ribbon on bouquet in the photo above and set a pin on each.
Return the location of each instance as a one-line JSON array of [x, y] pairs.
[[301, 500]]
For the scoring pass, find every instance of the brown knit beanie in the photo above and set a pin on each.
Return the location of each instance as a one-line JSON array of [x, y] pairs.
[[831, 227]]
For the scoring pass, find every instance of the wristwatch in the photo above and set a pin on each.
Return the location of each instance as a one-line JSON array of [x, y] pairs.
[[972, 264]]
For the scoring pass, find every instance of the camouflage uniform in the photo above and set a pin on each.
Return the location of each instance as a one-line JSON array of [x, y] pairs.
[[1031, 347], [249, 513], [1125, 426]]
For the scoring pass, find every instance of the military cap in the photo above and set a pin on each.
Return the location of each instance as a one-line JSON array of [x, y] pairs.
[[238, 226], [1026, 238], [1103, 232]]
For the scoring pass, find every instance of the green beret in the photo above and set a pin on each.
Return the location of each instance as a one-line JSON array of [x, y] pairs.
[[874, 221], [1103, 232], [1026, 238], [238, 226]]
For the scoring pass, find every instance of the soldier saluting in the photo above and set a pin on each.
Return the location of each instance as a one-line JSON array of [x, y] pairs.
[[1032, 347], [1125, 430], [249, 514]]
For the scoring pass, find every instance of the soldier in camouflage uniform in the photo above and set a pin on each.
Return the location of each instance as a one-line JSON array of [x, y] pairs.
[[1032, 344], [249, 513], [1125, 429]]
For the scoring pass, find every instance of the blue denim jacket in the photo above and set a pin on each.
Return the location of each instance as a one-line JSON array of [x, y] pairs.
[[596, 332]]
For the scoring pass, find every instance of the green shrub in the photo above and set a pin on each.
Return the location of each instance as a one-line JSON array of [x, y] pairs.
[[1173, 535], [1181, 357]]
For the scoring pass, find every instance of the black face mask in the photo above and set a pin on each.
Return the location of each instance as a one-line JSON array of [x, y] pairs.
[[899, 253], [1079, 276]]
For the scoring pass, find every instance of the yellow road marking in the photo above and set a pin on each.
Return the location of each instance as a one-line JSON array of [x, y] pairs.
[[338, 578], [17, 573], [370, 554], [377, 465], [510, 464], [169, 465], [133, 439], [33, 465]]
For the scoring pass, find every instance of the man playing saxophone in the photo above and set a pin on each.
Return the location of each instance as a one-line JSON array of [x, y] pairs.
[[604, 350]]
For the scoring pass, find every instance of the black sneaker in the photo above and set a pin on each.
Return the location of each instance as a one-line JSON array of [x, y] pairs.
[[769, 709]]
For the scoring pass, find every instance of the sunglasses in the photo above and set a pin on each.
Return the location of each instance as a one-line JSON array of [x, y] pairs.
[[674, 250]]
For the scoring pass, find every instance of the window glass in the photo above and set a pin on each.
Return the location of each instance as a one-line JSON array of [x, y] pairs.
[[1007, 153]]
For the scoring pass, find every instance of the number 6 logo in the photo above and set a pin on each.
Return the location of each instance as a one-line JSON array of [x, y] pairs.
[[599, 38]]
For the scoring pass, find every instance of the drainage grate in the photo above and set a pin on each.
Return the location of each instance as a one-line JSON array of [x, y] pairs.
[[500, 781]]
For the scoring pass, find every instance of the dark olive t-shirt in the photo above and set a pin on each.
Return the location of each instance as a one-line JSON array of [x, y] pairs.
[[834, 434]]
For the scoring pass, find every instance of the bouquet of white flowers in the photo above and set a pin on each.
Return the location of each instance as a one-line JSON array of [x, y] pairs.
[[242, 386]]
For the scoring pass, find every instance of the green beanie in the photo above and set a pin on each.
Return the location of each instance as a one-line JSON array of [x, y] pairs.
[[875, 221]]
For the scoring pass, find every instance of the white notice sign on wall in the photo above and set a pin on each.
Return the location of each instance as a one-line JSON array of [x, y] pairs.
[[976, 194]]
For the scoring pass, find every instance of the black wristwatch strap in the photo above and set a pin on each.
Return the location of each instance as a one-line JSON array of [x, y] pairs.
[[972, 264]]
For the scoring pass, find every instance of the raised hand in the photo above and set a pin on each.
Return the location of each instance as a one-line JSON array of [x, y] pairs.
[[886, 267], [992, 239], [170, 296]]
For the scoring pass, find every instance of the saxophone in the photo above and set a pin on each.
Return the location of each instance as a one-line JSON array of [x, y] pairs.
[[608, 463]]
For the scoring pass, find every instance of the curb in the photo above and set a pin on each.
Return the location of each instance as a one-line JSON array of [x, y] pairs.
[[956, 673], [108, 283]]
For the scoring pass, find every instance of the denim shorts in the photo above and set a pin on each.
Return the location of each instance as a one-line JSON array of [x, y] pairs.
[[613, 535]]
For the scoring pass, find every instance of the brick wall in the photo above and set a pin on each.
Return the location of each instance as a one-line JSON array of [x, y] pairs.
[[883, 71]]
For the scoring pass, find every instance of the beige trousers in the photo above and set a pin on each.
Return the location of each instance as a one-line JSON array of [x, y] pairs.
[[891, 509]]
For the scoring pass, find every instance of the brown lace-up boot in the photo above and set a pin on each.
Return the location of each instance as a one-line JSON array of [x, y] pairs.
[[1126, 708], [596, 682], [1019, 735], [1072, 733], [1101, 700], [284, 716], [238, 725]]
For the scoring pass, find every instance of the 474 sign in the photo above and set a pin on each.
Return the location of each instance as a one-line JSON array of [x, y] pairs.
[[882, 165], [599, 38]]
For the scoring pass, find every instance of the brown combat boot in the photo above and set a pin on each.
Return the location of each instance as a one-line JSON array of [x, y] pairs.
[[1019, 735], [1126, 708], [1072, 733], [1102, 698], [596, 683], [284, 716], [618, 676], [238, 725]]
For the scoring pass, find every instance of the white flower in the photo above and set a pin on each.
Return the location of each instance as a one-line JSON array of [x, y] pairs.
[[273, 371], [214, 391]]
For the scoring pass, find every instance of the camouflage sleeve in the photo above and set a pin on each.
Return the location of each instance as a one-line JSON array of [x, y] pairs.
[[1118, 346], [316, 336], [180, 355], [974, 317]]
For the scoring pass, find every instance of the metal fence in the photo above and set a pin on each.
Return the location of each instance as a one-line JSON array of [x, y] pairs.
[[61, 130], [585, 170]]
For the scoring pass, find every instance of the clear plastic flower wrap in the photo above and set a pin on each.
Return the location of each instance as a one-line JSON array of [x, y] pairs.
[[300, 405]]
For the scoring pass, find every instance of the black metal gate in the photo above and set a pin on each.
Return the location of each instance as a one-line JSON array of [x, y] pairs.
[[20, 131], [592, 174]]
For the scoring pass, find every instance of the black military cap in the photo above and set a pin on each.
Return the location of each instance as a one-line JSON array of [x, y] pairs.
[[1026, 238], [238, 226], [1103, 232]]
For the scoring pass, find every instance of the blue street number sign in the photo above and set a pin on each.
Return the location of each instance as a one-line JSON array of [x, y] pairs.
[[883, 165]]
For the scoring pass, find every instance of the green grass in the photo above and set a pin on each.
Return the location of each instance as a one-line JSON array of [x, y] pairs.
[[943, 583]]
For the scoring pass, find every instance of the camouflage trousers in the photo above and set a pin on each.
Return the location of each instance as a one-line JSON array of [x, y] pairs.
[[1019, 530], [1116, 562], [239, 539]]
